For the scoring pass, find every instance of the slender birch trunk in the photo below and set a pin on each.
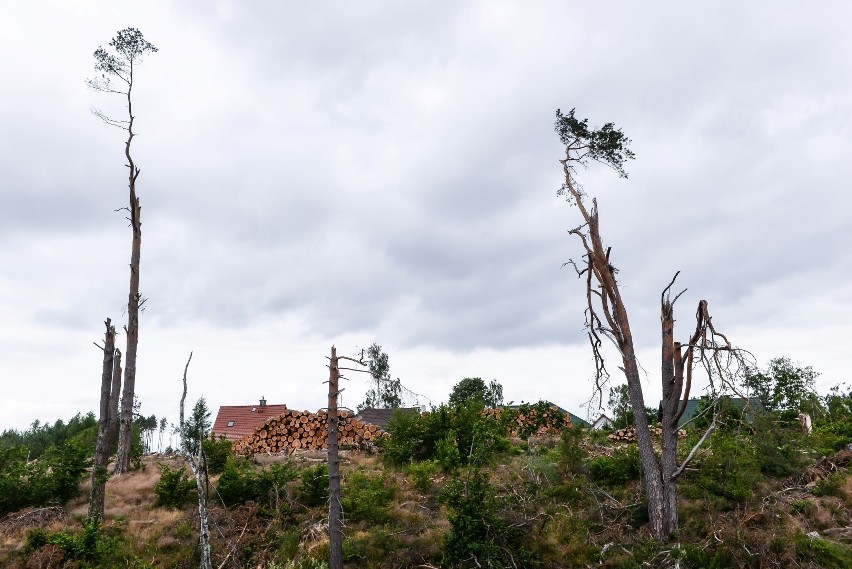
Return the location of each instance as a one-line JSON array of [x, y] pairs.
[[198, 465]]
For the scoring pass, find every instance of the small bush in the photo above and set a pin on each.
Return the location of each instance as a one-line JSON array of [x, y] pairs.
[[730, 470], [91, 546], [406, 440], [238, 483], [572, 455], [273, 492], [825, 553], [447, 452], [478, 535], [174, 489], [618, 469], [367, 498], [314, 485], [217, 451], [830, 486], [421, 475]]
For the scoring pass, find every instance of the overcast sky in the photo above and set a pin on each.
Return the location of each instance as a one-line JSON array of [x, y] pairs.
[[356, 172]]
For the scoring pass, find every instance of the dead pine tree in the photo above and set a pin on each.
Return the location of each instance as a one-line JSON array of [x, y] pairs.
[[335, 512], [607, 318], [198, 465], [116, 75], [102, 444], [115, 392]]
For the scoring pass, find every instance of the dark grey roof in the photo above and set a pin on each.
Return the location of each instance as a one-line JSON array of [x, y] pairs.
[[381, 417]]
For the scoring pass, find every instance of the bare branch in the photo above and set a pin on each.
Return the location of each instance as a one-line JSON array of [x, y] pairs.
[[112, 122], [360, 362], [692, 452]]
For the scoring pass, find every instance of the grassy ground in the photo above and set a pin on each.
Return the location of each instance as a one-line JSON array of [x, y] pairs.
[[551, 508]]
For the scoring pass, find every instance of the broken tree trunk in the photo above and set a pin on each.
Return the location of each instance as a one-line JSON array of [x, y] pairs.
[[198, 465], [335, 523], [99, 470], [114, 397]]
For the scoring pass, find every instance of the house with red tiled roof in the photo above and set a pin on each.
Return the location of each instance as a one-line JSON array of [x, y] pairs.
[[236, 421]]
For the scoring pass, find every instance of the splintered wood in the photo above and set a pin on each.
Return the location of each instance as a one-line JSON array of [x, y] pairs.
[[303, 430]]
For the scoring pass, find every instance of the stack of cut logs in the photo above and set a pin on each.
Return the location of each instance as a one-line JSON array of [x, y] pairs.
[[305, 430], [534, 421], [628, 435]]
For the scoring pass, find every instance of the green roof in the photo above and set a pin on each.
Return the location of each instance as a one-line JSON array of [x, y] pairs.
[[692, 407], [578, 421]]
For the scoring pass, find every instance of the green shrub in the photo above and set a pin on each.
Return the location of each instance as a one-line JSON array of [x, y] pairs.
[[478, 536], [826, 554], [217, 452], [52, 479], [572, 454], [730, 470], [616, 470], [367, 498], [778, 446], [373, 549], [174, 489], [313, 489], [421, 475], [36, 538], [413, 436], [478, 437], [92, 546], [272, 488], [831, 486], [239, 482], [447, 452]]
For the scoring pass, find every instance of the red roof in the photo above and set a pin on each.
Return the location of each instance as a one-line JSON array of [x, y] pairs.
[[236, 421]]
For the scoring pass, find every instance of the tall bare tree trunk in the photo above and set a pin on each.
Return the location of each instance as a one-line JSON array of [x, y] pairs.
[[114, 397], [99, 470], [122, 462], [198, 465], [335, 524]]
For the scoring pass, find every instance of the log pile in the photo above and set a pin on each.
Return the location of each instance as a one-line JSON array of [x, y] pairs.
[[304, 430], [628, 435], [528, 420]]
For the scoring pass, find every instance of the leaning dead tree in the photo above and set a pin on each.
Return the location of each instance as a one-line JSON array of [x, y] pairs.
[[607, 319], [116, 76], [102, 444], [198, 464]]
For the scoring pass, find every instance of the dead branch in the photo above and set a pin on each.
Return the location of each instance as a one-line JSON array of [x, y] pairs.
[[695, 448]]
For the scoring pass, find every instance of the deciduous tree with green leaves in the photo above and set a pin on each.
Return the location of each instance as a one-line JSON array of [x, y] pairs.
[[474, 389], [784, 386], [386, 392]]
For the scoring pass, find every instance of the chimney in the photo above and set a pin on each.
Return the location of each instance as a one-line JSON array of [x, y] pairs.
[[262, 401]]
